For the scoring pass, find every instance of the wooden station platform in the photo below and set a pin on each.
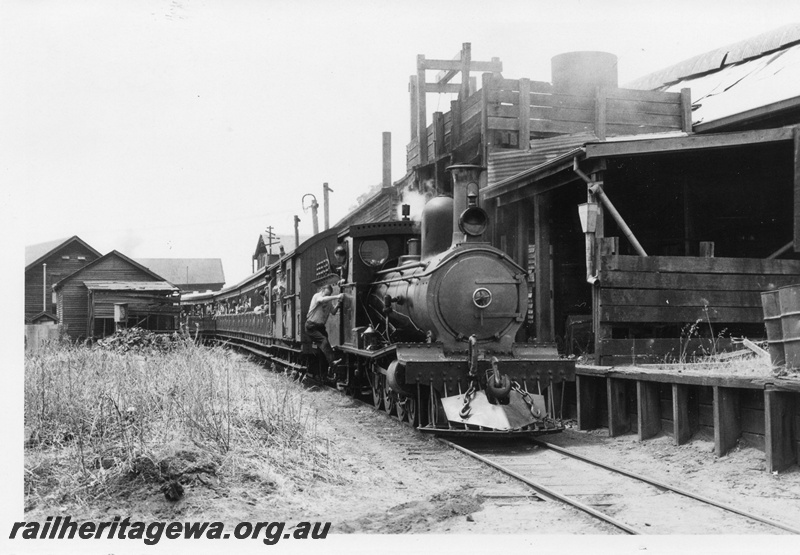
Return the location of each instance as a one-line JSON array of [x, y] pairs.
[[682, 401]]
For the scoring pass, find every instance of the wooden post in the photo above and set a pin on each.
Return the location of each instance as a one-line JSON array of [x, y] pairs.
[[413, 91], [466, 59], [600, 113], [686, 110], [524, 114], [439, 147], [522, 234], [606, 246], [544, 301], [486, 140], [707, 249], [588, 411], [779, 430], [727, 419], [649, 409], [387, 162], [618, 420], [422, 124], [796, 137], [455, 128], [684, 414]]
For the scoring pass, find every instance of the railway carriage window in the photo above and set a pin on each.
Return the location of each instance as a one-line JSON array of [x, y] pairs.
[[374, 252]]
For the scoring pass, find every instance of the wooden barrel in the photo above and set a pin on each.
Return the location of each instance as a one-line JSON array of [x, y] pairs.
[[789, 301], [770, 302]]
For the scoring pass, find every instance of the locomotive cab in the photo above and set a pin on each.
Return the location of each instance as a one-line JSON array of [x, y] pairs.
[[367, 249]]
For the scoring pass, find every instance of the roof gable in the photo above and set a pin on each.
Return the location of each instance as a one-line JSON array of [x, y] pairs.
[[103, 260], [34, 254], [186, 270]]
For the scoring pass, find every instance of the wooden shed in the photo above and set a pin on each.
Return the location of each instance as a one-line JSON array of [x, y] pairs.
[[46, 264], [86, 298]]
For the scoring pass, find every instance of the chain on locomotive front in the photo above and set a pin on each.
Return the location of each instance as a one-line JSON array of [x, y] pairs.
[[455, 310]]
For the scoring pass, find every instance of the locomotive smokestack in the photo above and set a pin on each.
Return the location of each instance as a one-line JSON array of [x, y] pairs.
[[469, 221]]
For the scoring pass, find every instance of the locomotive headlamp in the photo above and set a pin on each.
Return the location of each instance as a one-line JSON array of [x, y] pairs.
[[473, 221]]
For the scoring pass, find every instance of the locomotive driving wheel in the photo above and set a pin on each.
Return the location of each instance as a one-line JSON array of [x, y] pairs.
[[389, 397], [377, 390], [411, 411], [402, 407]]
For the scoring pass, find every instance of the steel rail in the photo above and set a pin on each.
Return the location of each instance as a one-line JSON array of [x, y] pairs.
[[665, 486], [544, 489]]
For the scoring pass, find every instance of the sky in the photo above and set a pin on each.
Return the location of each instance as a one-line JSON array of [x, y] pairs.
[[183, 128]]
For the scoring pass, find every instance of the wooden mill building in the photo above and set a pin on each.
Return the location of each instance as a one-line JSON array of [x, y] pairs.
[[46, 264], [701, 169], [86, 299]]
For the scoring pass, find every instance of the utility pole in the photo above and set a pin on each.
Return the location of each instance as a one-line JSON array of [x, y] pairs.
[[272, 239], [296, 231]]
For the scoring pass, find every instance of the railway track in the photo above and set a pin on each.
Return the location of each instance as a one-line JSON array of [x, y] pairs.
[[634, 504]]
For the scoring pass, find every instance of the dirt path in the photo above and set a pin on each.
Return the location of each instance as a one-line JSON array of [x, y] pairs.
[[395, 480]]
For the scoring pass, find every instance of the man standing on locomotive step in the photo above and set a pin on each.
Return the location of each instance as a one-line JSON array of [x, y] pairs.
[[321, 307]]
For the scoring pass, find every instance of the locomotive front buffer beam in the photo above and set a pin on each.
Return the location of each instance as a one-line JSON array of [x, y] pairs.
[[471, 398]]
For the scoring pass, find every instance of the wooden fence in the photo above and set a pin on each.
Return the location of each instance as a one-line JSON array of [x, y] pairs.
[[511, 112], [635, 290], [36, 336]]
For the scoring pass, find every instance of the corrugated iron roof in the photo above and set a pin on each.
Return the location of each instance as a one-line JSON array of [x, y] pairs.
[[742, 87], [505, 164], [719, 58], [104, 285], [176, 270]]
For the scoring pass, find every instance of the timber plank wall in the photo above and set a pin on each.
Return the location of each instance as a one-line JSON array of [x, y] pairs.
[[679, 290], [511, 112], [73, 296], [60, 264]]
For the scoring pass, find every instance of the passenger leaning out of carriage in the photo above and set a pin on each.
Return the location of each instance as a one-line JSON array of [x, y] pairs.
[[322, 305]]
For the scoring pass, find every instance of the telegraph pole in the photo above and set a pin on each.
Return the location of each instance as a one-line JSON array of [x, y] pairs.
[[272, 239]]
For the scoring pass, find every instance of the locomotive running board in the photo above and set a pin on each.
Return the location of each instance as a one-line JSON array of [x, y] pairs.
[[515, 415]]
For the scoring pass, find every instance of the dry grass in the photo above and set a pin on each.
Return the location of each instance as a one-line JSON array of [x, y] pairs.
[[98, 418]]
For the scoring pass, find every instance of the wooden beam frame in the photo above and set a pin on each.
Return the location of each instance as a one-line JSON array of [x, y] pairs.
[[588, 409], [779, 429], [619, 421], [685, 413], [545, 332], [727, 419], [495, 66], [796, 140], [691, 142], [649, 409]]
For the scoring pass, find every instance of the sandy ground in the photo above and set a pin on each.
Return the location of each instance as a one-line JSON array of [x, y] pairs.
[[395, 480]]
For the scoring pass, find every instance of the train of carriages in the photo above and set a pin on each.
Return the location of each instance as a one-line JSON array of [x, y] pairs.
[[425, 327]]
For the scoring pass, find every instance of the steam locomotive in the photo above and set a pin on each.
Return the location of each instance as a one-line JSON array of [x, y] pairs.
[[425, 327]]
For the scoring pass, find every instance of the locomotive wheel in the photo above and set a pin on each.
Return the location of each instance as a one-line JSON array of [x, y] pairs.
[[421, 407], [411, 411], [377, 391], [402, 407], [389, 398]]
